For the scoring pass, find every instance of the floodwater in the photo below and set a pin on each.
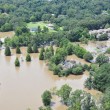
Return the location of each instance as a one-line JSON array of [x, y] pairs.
[[7, 34], [21, 88], [94, 46]]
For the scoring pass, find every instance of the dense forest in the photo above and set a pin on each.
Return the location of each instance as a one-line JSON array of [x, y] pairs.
[[70, 14]]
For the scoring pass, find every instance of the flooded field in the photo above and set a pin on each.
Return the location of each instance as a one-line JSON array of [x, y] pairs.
[[21, 88], [6, 34], [96, 46]]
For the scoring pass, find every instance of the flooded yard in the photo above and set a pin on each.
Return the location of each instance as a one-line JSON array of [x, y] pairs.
[[21, 88], [7, 34]]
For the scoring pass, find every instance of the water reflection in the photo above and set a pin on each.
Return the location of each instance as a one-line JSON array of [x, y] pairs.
[[8, 59]]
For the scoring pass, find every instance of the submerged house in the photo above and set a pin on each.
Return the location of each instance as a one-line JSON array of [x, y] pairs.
[[68, 64]]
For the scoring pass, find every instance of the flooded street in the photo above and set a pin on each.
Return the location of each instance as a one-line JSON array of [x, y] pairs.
[[21, 88]]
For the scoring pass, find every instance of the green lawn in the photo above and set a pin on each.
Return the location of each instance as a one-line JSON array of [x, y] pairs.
[[36, 24]]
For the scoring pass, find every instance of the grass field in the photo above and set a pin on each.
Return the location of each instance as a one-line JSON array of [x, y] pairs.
[[36, 24], [41, 24]]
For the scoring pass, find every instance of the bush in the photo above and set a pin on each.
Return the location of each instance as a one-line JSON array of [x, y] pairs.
[[28, 58], [17, 63], [88, 56], [7, 51], [77, 70]]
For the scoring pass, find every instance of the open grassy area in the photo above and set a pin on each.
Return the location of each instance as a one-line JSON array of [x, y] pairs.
[[36, 24]]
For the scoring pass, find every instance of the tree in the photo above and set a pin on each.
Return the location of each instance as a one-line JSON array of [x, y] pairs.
[[29, 49], [70, 49], [79, 51], [88, 103], [75, 100], [101, 59], [17, 63], [107, 26], [64, 93], [33, 18], [28, 58], [106, 100], [41, 56], [103, 37], [88, 56], [108, 51], [35, 48], [101, 77], [46, 98], [45, 108], [39, 29], [7, 51], [18, 51], [56, 70], [52, 49], [48, 54], [45, 29]]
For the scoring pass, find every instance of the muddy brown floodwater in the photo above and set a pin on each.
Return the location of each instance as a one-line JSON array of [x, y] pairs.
[[21, 88], [6, 34]]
